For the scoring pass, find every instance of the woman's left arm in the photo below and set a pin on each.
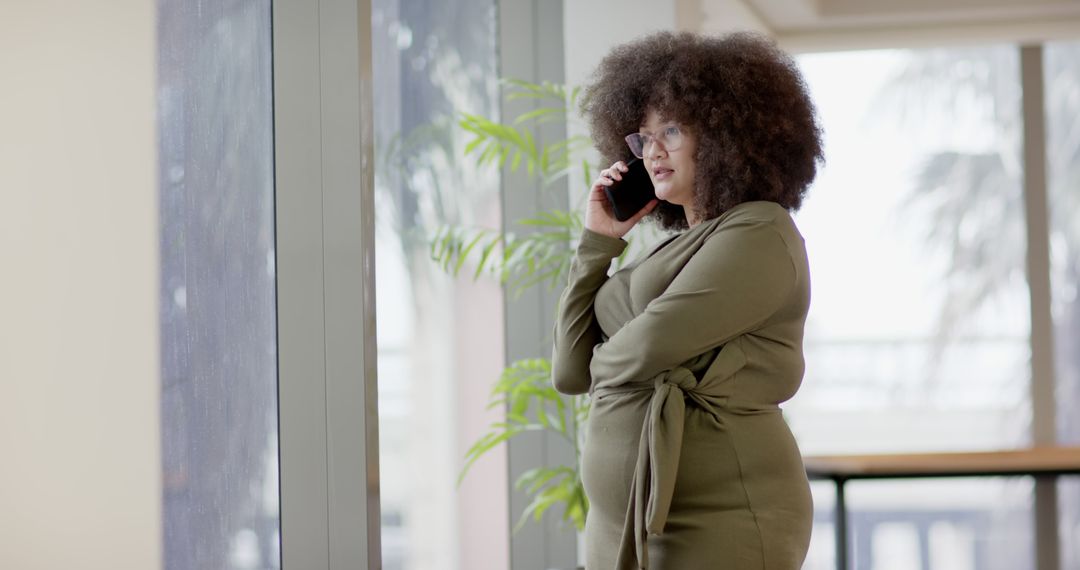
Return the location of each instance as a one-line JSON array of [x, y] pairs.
[[740, 277]]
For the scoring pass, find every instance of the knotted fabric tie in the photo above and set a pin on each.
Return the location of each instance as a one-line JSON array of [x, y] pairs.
[[653, 483]]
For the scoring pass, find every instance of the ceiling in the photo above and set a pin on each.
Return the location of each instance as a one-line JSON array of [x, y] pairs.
[[791, 16], [811, 24]]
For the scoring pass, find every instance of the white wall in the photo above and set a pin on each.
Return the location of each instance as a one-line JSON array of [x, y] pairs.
[[718, 16], [596, 26], [79, 444]]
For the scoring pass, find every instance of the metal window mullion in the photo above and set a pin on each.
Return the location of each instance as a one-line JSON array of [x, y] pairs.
[[325, 272], [1044, 424], [299, 265], [531, 48]]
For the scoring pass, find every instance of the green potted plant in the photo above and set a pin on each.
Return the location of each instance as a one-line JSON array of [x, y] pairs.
[[524, 388]]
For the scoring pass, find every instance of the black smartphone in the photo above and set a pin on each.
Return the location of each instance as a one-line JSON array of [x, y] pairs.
[[629, 195]]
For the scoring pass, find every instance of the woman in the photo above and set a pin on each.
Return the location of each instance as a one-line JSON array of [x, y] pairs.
[[687, 353]]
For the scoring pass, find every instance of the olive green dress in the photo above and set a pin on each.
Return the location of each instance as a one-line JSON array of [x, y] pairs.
[[687, 353]]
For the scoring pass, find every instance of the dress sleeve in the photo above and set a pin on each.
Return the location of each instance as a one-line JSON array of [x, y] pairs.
[[576, 330], [741, 276]]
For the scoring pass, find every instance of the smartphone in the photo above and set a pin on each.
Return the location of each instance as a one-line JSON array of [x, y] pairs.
[[629, 195]]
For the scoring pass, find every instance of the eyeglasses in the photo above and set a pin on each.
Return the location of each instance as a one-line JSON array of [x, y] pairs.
[[670, 138]]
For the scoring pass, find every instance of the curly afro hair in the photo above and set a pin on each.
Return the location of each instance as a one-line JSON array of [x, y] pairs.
[[740, 95]]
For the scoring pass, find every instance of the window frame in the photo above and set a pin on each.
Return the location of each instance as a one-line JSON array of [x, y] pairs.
[[531, 47], [1034, 190], [324, 211], [1037, 259], [324, 193]]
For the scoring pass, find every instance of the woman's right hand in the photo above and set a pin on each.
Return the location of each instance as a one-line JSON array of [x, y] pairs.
[[599, 216]]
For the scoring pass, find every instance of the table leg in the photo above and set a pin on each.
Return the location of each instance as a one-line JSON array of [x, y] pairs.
[[841, 526]]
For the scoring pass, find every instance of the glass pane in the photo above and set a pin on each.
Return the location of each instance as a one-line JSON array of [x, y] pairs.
[[918, 333], [957, 524], [822, 554], [219, 392], [1062, 73], [440, 338]]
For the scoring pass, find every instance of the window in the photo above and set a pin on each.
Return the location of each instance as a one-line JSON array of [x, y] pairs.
[[219, 353], [1062, 92], [918, 333], [440, 339]]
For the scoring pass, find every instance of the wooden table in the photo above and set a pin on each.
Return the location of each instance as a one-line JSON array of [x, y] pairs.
[[1046, 461]]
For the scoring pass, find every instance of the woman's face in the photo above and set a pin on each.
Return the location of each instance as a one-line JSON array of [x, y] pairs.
[[671, 169]]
